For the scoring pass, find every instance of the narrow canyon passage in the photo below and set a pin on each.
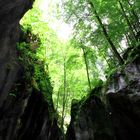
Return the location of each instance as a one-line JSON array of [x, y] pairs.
[[69, 70]]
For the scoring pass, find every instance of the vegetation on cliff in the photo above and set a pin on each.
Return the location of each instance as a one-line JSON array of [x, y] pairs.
[[99, 34]]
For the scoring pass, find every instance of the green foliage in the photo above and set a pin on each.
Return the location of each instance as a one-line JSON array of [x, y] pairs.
[[12, 94], [36, 75], [79, 63], [88, 31]]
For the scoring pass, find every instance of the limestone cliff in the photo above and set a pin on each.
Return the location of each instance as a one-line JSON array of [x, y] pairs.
[[111, 111]]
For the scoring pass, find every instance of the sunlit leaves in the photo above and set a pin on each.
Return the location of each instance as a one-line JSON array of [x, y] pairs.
[[87, 34]]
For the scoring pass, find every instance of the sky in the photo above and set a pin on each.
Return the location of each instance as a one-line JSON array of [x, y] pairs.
[[62, 29]]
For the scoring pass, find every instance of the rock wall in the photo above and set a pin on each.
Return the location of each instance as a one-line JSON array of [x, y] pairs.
[[24, 113], [111, 111], [10, 14], [37, 122]]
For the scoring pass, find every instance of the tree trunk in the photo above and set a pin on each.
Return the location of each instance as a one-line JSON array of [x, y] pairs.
[[58, 95], [64, 97], [134, 14], [87, 70], [127, 20], [104, 56], [127, 39], [130, 40], [113, 48]]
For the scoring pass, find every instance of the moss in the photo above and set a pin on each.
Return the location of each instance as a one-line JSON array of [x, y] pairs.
[[12, 94], [35, 72]]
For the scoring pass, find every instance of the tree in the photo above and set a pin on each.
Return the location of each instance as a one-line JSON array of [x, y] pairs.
[[77, 64], [114, 50], [127, 20], [87, 69]]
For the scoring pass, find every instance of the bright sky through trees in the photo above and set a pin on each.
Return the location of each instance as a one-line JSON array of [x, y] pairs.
[[59, 54], [82, 54], [62, 29]]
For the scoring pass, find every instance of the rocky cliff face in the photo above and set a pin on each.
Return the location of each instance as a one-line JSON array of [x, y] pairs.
[[10, 14], [24, 114], [37, 123], [116, 119]]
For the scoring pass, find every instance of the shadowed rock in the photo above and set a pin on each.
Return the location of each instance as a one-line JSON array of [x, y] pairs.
[[24, 114], [117, 118]]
